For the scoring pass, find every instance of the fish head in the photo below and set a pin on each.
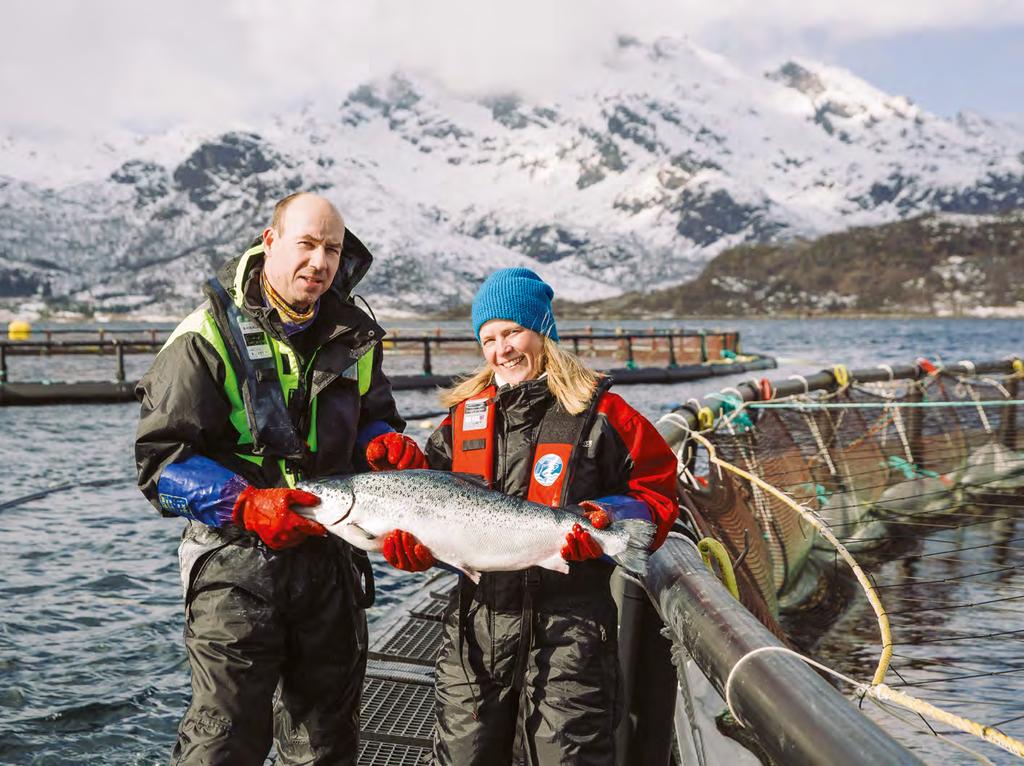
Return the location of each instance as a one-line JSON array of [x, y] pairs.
[[337, 499]]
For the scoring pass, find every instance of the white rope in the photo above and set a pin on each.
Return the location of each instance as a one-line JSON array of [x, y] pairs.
[[802, 379], [733, 390], [890, 709], [997, 384], [860, 687]]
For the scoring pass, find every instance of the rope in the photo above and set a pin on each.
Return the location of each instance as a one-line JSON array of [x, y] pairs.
[[877, 689], [709, 547], [885, 693], [987, 733], [823, 529], [799, 405]]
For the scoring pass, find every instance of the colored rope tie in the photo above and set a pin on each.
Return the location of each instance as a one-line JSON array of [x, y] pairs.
[[733, 406], [909, 470], [1018, 367], [842, 375], [926, 366], [765, 389], [705, 418], [710, 547]]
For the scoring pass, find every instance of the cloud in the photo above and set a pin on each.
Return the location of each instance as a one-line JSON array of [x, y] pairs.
[[78, 65]]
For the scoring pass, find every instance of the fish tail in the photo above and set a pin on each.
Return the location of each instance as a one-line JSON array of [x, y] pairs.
[[638, 545]]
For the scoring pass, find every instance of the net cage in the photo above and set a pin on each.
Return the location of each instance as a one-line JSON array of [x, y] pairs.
[[922, 479]]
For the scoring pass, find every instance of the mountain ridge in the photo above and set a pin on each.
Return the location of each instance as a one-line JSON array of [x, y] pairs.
[[666, 157], [931, 265]]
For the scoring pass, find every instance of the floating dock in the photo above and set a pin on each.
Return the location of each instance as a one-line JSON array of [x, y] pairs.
[[667, 356]]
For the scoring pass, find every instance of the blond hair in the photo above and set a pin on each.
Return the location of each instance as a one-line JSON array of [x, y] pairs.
[[570, 381]]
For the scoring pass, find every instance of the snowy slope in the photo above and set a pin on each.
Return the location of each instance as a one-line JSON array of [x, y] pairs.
[[664, 157]]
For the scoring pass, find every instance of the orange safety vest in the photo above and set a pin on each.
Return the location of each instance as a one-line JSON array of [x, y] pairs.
[[553, 457]]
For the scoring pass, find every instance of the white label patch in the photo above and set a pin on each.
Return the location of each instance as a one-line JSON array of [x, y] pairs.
[[259, 351], [475, 417], [255, 341], [548, 469]]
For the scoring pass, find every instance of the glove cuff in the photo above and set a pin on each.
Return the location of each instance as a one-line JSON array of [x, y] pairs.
[[238, 511], [620, 507]]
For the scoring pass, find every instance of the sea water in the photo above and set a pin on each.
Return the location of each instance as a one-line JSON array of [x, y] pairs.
[[92, 663]]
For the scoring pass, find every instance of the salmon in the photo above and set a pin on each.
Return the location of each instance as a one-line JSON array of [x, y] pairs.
[[463, 523]]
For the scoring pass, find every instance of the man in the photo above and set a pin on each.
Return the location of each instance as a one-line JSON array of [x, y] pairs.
[[276, 377]]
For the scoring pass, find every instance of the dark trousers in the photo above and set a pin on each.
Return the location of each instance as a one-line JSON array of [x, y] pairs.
[[570, 700], [260, 622]]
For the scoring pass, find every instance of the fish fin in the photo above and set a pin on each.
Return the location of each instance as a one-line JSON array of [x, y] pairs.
[[556, 564], [638, 546], [363, 532]]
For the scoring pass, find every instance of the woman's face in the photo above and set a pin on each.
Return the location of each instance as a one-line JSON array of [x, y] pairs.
[[512, 352]]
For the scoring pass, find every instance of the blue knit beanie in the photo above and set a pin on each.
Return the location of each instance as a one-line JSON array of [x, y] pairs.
[[518, 295]]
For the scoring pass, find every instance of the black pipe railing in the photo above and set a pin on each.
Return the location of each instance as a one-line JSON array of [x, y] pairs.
[[795, 715]]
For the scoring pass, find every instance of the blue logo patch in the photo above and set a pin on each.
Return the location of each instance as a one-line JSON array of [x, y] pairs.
[[175, 505], [548, 469]]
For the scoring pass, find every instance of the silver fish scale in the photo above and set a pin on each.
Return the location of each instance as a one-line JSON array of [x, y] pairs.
[[461, 522]]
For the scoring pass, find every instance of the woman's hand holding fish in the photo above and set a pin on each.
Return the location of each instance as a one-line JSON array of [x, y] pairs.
[[595, 514], [394, 452], [580, 546], [403, 551]]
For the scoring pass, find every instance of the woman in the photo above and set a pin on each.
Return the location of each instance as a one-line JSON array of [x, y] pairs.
[[529, 660]]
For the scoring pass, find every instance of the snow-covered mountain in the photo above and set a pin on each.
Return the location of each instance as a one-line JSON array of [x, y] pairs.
[[654, 163]]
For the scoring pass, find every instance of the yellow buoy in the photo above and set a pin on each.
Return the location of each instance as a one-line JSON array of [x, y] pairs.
[[19, 329]]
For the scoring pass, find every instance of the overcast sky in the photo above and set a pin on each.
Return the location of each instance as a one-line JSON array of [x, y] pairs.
[[70, 66]]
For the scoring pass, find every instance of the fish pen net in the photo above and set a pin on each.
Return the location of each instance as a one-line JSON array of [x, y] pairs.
[[922, 481]]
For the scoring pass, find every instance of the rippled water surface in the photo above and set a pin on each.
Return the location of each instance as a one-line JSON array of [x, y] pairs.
[[92, 665]]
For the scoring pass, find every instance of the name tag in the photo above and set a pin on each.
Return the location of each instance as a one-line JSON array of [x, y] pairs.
[[475, 417], [255, 341]]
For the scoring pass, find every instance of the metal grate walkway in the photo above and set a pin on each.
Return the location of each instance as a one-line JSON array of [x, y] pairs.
[[397, 713]]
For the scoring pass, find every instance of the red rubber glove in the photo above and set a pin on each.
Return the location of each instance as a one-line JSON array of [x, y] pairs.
[[595, 514], [268, 513], [579, 545], [394, 452], [403, 551]]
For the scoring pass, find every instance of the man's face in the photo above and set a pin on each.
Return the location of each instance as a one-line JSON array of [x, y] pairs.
[[513, 352], [302, 258]]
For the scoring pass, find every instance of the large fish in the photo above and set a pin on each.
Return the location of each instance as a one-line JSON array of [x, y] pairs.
[[463, 523]]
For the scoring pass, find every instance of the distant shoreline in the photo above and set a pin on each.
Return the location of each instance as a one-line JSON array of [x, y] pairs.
[[996, 313]]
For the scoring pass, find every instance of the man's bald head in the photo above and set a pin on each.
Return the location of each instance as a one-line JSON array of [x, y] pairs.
[[306, 199], [302, 248]]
